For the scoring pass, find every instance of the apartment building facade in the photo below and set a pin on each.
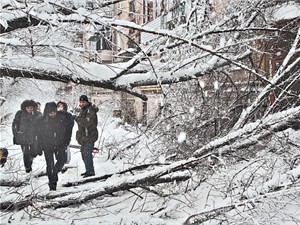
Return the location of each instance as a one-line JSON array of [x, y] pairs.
[[109, 46]]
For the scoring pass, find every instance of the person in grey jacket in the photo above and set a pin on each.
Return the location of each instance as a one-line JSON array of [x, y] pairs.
[[87, 133]]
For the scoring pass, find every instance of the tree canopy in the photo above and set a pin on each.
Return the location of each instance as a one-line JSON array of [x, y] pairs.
[[229, 76], [36, 41]]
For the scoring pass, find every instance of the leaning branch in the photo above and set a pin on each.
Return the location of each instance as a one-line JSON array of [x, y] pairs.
[[54, 76], [252, 133], [278, 77]]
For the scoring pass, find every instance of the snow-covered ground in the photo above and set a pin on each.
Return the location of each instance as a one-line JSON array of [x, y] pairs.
[[263, 189]]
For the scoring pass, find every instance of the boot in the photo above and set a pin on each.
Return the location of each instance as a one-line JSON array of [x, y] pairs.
[[52, 186], [89, 174]]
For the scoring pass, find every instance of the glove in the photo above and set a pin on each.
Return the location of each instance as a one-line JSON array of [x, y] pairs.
[[33, 154], [40, 152]]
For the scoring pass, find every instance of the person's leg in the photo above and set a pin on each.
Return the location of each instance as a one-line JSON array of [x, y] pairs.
[[66, 158], [87, 156], [83, 156], [27, 158], [50, 170], [60, 156]]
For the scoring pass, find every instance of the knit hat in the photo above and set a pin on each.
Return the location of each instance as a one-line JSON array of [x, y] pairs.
[[50, 107], [83, 98]]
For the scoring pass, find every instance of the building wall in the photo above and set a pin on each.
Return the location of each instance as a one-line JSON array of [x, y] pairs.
[[130, 10], [134, 110]]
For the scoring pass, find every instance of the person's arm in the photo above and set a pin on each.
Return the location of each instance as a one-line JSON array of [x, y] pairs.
[[16, 123], [37, 147], [70, 124], [88, 120]]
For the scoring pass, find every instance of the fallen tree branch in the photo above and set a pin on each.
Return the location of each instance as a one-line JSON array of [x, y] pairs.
[[202, 217], [104, 177], [9, 183], [13, 206], [123, 186], [113, 184], [252, 133]]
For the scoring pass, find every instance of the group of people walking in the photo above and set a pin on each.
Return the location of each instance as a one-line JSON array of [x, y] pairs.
[[50, 133]]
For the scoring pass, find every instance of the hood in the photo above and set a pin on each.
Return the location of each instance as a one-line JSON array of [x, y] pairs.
[[50, 107], [94, 108], [90, 106]]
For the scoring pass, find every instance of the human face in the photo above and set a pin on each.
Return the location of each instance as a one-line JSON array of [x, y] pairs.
[[29, 109], [60, 107], [52, 114], [83, 104]]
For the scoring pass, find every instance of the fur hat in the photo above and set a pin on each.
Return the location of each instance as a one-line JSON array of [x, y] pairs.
[[50, 107], [83, 98], [28, 103]]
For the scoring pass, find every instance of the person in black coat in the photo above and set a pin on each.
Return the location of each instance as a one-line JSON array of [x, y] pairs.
[[87, 133], [63, 107], [52, 138], [23, 131]]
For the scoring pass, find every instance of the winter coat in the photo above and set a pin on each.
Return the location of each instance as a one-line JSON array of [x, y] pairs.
[[51, 134], [23, 126], [69, 125], [69, 118], [87, 125]]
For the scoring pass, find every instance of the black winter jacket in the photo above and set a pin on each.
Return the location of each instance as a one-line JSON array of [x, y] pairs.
[[51, 134], [23, 126], [69, 125], [87, 125]]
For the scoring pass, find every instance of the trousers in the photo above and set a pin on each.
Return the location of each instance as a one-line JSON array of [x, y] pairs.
[[27, 158], [87, 156], [54, 167]]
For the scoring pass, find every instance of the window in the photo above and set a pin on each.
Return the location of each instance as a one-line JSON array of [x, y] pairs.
[[150, 11], [131, 31], [90, 5], [103, 44], [131, 44], [132, 6], [119, 7]]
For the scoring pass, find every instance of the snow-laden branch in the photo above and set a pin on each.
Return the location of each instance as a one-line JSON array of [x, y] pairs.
[[280, 74], [208, 215], [68, 76], [251, 133], [278, 186], [126, 77]]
